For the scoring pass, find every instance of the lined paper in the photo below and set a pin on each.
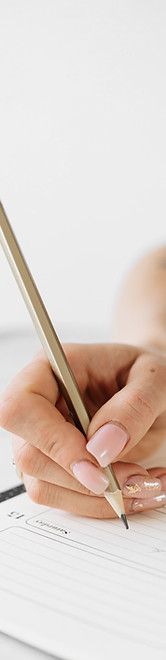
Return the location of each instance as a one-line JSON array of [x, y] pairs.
[[74, 586]]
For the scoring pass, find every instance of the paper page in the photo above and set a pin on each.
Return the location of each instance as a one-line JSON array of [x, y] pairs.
[[83, 589]]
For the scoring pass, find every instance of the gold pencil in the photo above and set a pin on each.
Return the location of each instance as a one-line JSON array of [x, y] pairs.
[[53, 349]]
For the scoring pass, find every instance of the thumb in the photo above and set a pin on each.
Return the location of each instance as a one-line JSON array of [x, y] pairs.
[[124, 420]]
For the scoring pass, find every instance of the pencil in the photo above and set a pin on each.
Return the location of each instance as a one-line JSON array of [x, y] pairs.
[[53, 349]]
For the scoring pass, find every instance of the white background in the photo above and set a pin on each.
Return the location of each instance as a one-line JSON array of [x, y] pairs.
[[82, 148]]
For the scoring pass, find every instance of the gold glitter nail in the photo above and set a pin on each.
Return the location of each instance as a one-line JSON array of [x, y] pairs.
[[133, 488]]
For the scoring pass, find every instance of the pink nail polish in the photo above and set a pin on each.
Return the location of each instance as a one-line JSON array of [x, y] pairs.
[[107, 443], [90, 476], [138, 485], [153, 503]]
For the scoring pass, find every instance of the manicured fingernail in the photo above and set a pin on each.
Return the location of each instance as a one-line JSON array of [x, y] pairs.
[[140, 486], [151, 503], [90, 476], [107, 443]]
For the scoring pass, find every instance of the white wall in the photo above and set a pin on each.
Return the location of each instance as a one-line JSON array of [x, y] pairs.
[[82, 147]]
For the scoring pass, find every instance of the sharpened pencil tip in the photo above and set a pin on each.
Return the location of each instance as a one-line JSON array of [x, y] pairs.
[[124, 518]]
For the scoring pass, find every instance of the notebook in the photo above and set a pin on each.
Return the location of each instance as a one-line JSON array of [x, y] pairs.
[[82, 589]]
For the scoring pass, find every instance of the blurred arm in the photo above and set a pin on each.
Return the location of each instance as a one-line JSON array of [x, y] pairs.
[[140, 311]]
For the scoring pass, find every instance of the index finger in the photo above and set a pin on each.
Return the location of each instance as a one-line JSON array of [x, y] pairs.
[[28, 410], [125, 419]]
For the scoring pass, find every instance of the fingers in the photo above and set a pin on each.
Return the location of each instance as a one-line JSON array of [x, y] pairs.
[[134, 480], [37, 377], [79, 504], [160, 473], [41, 425], [124, 420], [32, 416], [28, 409], [31, 461], [61, 498]]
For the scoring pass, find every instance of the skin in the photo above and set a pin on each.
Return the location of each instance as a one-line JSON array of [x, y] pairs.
[[122, 382]]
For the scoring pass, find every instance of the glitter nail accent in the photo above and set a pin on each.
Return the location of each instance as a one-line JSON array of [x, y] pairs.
[[133, 488], [141, 486]]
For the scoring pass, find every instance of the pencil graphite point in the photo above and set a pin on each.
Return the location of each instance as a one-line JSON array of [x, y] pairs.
[[125, 521]]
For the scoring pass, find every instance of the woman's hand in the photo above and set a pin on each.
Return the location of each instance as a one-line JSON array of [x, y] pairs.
[[124, 390]]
